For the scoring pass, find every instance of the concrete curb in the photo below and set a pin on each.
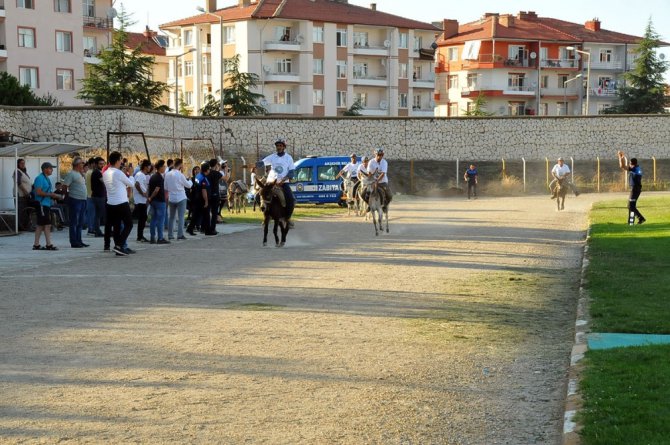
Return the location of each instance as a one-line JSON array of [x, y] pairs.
[[573, 400]]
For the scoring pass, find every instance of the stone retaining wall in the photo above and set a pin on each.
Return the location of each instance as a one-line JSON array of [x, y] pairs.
[[480, 139]]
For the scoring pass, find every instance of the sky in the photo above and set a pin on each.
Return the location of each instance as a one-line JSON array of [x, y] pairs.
[[626, 16]]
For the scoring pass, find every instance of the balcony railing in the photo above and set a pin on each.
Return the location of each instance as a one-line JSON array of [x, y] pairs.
[[506, 89], [98, 22], [604, 92], [282, 108], [282, 45], [611, 65], [559, 63]]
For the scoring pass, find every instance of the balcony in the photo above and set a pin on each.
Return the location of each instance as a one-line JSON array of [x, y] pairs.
[[519, 90], [206, 49], [497, 61], [559, 63], [570, 93], [282, 45], [91, 56], [3, 52], [369, 80], [423, 112], [606, 65], [282, 77], [98, 22], [610, 93], [3, 13], [424, 83], [369, 50], [507, 90], [282, 108], [374, 111]]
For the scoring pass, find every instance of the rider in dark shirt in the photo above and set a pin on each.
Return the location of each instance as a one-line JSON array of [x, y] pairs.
[[635, 182]]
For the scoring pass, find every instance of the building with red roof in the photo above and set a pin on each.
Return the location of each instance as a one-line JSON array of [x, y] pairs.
[[524, 65], [313, 57]]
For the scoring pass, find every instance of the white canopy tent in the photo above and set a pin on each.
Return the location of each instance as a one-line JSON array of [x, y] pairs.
[[33, 149]]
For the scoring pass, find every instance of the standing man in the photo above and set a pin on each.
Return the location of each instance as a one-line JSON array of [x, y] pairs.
[[140, 194], [378, 168], [200, 202], [176, 185], [43, 195], [75, 181], [561, 172], [214, 177], [470, 177], [282, 165], [635, 182], [99, 198], [157, 201], [90, 208], [117, 184], [24, 184]]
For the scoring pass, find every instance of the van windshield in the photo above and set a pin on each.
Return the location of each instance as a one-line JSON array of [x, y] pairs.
[[327, 172], [302, 174]]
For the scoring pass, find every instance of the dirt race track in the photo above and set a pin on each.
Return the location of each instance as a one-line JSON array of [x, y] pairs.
[[455, 328]]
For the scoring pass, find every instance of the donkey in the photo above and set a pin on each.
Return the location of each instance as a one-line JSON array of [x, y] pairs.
[[273, 209], [237, 194], [353, 199], [561, 191], [378, 205]]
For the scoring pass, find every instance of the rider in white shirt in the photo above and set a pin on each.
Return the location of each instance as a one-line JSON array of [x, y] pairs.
[[283, 169], [378, 169], [351, 171], [559, 172]]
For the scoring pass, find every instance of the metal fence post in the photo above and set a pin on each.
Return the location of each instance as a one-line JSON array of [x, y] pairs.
[[524, 173], [457, 175], [504, 173], [572, 170], [653, 158], [598, 174], [546, 160]]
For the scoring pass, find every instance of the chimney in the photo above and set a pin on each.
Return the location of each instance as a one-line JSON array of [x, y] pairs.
[[593, 25], [507, 20], [373, 6], [529, 16], [210, 5], [449, 28], [148, 33]]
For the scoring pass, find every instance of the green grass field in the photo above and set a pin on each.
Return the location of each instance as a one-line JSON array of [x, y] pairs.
[[627, 390], [301, 211]]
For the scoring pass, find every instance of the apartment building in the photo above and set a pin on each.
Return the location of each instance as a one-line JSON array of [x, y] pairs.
[[154, 45], [313, 57], [522, 65], [46, 44]]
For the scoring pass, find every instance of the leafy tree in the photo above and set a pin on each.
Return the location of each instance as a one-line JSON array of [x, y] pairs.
[[123, 76], [354, 109], [14, 94], [479, 107], [238, 99], [644, 92], [184, 110]]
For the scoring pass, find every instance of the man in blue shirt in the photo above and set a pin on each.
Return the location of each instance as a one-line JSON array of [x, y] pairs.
[[470, 177], [43, 195], [635, 182], [201, 195]]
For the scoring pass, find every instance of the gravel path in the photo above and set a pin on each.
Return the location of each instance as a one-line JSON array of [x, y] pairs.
[[454, 328]]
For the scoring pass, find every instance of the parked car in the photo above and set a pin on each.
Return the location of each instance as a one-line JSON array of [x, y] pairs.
[[314, 179]]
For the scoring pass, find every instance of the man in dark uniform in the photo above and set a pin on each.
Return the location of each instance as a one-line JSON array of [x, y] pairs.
[[635, 182], [213, 177], [200, 203], [470, 177]]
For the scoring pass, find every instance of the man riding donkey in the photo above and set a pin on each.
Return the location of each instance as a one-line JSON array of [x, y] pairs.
[[561, 172], [377, 171], [282, 170]]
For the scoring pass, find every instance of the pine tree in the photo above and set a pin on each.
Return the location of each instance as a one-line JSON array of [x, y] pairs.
[[479, 107], [644, 92], [238, 99], [14, 94], [123, 76], [354, 109]]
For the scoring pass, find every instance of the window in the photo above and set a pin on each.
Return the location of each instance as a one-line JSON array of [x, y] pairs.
[[62, 5], [317, 66], [188, 68], [453, 81], [362, 98], [562, 78], [418, 72], [228, 35], [360, 70], [282, 97], [318, 97], [341, 69], [452, 54], [341, 37], [327, 172], [25, 4], [402, 40], [416, 102], [544, 109], [64, 79], [606, 55], [90, 46], [302, 174], [402, 100], [188, 98], [603, 107], [402, 70], [187, 35], [470, 107], [562, 108], [26, 37], [473, 80], [28, 76], [209, 38], [418, 43], [453, 109], [63, 42], [283, 65], [361, 39], [341, 99], [89, 8], [227, 64], [283, 34], [516, 108], [516, 82], [544, 82], [206, 66], [317, 34]]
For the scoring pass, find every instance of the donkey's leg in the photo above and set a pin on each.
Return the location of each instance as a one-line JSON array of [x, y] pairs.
[[386, 213], [266, 226], [274, 231]]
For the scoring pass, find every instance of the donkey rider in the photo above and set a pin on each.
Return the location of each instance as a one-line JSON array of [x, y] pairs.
[[377, 169], [282, 171], [560, 172], [351, 170]]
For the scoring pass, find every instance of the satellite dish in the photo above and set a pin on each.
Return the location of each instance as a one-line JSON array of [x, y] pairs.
[[383, 105], [383, 62], [661, 56], [111, 13], [433, 45], [300, 38], [267, 68], [387, 43], [533, 55], [264, 102]]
